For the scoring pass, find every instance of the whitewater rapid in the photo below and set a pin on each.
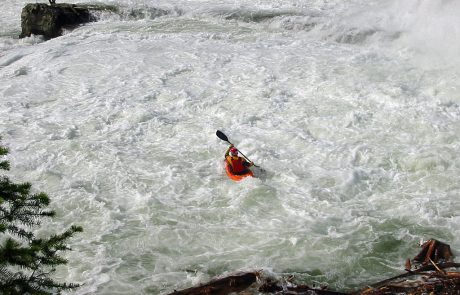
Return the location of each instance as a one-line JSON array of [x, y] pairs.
[[351, 107]]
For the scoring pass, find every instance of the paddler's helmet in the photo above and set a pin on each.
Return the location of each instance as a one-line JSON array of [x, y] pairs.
[[234, 151]]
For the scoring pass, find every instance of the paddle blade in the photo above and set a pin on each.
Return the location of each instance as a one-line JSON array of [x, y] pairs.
[[221, 135]]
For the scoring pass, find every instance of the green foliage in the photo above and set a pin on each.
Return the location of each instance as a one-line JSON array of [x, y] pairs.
[[4, 165], [26, 262]]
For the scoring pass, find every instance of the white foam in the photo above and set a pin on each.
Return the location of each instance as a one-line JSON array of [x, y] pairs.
[[116, 120]]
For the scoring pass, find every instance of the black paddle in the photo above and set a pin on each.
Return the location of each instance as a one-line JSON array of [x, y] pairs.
[[224, 137]]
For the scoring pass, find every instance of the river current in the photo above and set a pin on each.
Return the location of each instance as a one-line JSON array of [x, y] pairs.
[[351, 107]]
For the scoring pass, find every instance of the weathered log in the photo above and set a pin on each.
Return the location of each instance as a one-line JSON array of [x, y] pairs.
[[223, 286], [416, 272], [275, 288], [392, 283]]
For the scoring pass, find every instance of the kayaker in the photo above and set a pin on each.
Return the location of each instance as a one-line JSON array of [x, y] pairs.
[[237, 164]]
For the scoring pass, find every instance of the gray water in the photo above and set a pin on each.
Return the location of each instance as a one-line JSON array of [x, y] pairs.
[[351, 107]]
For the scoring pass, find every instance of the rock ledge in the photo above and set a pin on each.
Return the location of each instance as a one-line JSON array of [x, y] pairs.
[[50, 20]]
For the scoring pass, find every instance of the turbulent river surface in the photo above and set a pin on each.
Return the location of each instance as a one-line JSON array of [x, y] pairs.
[[352, 108]]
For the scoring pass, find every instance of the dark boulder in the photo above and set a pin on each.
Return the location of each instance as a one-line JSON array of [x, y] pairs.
[[49, 20]]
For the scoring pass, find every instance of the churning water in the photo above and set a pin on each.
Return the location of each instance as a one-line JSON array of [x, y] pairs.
[[352, 108]]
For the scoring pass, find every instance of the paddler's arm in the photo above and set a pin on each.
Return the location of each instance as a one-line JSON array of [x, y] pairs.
[[228, 151], [247, 164]]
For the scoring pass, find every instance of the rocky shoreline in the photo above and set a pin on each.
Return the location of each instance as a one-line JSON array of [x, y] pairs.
[[424, 274]]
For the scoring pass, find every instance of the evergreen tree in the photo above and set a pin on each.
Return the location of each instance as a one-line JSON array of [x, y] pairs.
[[26, 262]]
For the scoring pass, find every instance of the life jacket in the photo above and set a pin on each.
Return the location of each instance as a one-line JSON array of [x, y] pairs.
[[236, 165]]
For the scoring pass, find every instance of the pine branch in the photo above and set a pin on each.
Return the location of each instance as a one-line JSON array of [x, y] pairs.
[[3, 227], [20, 232], [23, 208], [36, 258], [21, 284], [30, 218], [12, 191], [13, 254], [5, 275], [4, 165], [3, 150], [54, 244]]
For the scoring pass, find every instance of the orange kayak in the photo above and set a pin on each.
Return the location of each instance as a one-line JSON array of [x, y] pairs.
[[236, 177]]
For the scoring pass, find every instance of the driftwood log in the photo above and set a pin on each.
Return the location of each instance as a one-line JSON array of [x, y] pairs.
[[277, 288], [223, 286], [242, 282]]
